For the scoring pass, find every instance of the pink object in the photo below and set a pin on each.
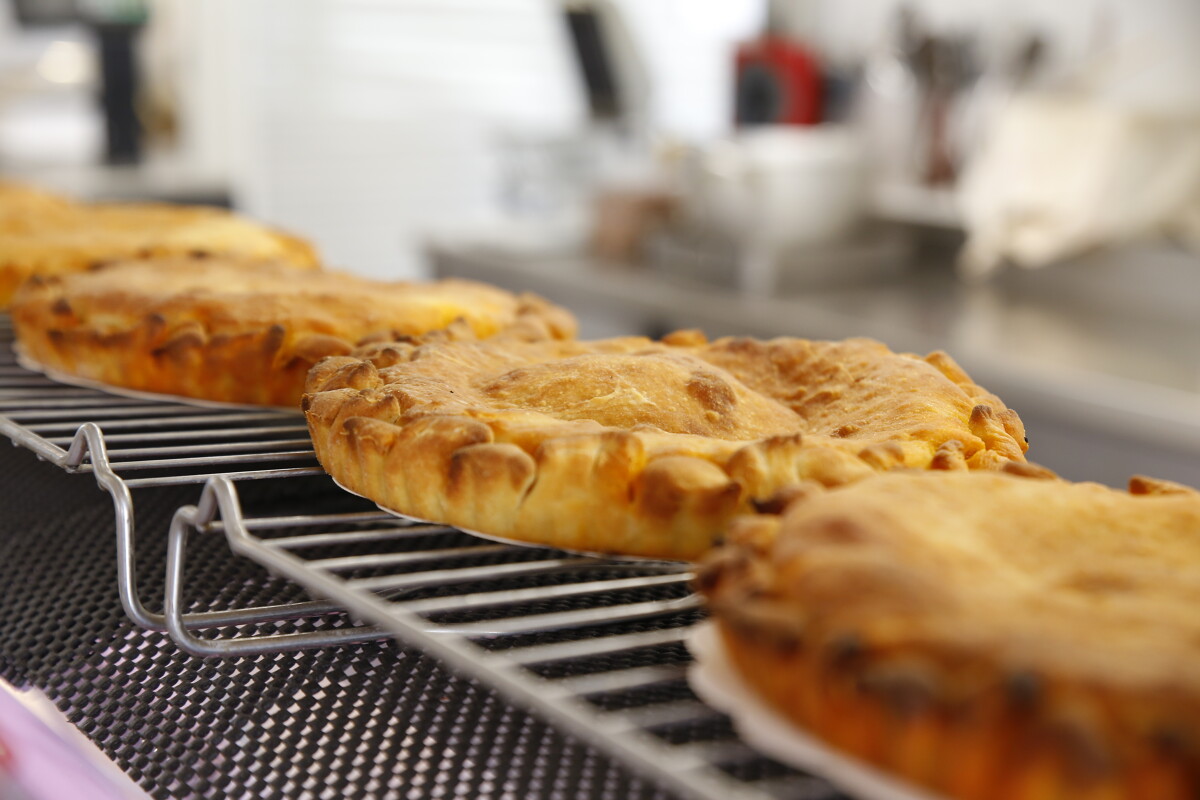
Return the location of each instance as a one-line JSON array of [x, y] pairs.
[[43, 757]]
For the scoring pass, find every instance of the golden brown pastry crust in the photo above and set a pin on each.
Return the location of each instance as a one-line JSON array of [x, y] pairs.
[[244, 332], [633, 446], [52, 238], [21, 202], [989, 636]]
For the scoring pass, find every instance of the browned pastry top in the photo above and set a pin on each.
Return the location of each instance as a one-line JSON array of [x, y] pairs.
[[1038, 574], [71, 237], [229, 329], [734, 421], [1031, 613], [624, 390]]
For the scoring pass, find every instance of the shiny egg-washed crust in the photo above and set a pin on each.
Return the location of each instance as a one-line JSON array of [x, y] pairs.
[[987, 636], [245, 332], [53, 238], [633, 446]]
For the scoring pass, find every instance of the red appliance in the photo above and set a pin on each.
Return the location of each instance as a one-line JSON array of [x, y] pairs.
[[777, 82]]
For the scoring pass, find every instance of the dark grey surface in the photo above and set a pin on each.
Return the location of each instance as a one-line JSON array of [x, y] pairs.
[[372, 721]]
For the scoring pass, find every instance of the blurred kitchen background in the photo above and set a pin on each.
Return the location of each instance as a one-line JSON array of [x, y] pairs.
[[1017, 183]]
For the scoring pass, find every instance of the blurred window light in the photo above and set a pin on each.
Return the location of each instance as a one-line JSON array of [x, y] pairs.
[[687, 47], [66, 62], [369, 123]]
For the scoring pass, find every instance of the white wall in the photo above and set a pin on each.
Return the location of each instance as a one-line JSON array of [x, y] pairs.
[[363, 123], [686, 49]]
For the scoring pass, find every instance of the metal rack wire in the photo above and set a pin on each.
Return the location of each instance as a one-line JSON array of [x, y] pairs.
[[129, 444], [593, 645]]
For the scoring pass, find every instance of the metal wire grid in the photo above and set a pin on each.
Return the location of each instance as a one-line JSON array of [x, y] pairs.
[[129, 444], [593, 645]]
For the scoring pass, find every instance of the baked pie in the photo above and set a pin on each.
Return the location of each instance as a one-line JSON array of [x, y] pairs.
[[44, 235], [244, 332], [989, 636], [635, 446], [20, 202]]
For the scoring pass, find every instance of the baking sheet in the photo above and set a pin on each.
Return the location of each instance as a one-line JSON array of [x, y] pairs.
[[32, 365], [714, 678]]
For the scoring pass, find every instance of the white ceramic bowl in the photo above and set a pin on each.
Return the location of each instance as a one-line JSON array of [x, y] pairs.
[[783, 186]]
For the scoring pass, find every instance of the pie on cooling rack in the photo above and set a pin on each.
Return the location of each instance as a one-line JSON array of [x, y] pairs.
[[634, 446], [46, 235], [988, 636], [243, 332]]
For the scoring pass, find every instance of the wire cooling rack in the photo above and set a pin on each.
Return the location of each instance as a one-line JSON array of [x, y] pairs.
[[595, 646], [131, 444]]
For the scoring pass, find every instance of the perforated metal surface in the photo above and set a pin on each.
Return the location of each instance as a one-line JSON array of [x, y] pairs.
[[371, 720]]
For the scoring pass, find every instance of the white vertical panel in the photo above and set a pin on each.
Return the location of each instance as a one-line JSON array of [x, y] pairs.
[[687, 47], [189, 49], [366, 122]]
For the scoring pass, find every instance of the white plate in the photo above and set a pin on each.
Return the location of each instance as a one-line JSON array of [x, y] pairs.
[[714, 678]]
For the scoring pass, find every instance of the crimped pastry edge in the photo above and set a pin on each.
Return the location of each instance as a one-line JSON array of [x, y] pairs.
[[465, 471], [367, 459], [168, 358], [246, 369], [25, 362]]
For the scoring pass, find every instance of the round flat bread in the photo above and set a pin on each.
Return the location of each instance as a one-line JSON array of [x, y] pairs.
[[634, 446], [244, 332], [989, 636], [52, 238]]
